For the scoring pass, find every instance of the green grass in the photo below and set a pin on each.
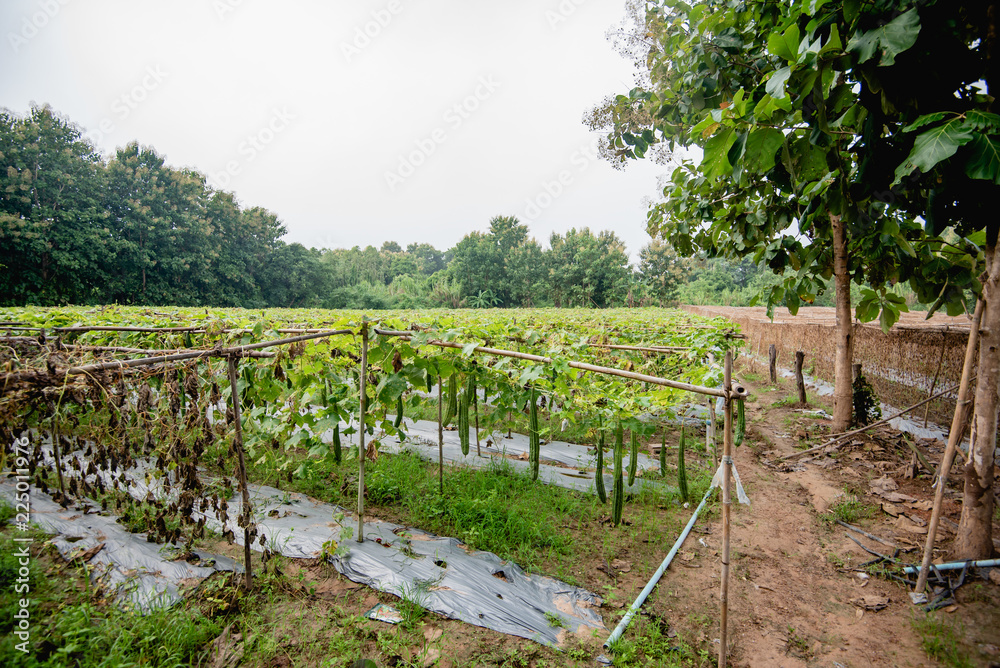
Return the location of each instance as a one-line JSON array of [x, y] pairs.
[[850, 509], [940, 640]]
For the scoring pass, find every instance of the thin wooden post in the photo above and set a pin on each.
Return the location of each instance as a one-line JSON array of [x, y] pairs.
[[475, 408], [727, 464], [710, 433], [247, 513], [440, 437], [954, 436], [944, 341], [362, 409], [772, 360], [800, 382]]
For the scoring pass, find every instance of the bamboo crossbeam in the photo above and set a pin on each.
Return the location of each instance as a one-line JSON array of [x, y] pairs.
[[645, 349], [146, 361], [583, 366], [123, 328], [848, 434]]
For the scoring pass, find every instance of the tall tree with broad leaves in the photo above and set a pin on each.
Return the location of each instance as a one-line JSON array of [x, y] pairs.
[[840, 138], [53, 229]]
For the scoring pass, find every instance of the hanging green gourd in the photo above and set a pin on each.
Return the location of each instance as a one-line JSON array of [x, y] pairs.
[[663, 455], [429, 379], [682, 480], [534, 443], [337, 453], [618, 491], [463, 422], [741, 423], [599, 476], [452, 407], [398, 420], [633, 458]]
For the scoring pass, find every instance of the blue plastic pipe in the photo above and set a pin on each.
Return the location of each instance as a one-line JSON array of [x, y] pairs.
[[955, 565], [634, 608]]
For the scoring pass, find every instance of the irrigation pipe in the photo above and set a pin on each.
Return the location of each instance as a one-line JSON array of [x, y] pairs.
[[956, 565], [738, 392], [634, 608]]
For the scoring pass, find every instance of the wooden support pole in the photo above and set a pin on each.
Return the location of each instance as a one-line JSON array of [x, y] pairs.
[[246, 514], [772, 363], [363, 405], [710, 433], [937, 372], [954, 437], [440, 437], [800, 383], [727, 453]]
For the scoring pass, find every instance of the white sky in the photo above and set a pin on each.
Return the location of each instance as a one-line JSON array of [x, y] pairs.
[[291, 106]]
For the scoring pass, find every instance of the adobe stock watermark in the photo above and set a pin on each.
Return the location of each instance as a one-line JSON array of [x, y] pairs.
[[563, 11], [550, 190], [365, 34], [252, 146], [224, 7], [22, 519], [123, 105], [426, 146], [33, 23]]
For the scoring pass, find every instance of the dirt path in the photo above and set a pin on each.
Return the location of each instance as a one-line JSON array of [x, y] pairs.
[[792, 593]]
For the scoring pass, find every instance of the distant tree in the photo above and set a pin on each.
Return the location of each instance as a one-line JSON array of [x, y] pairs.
[[391, 247], [54, 239], [662, 270]]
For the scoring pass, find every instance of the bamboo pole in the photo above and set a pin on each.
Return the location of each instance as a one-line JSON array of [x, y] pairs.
[[710, 433], [653, 380], [944, 341], [954, 437], [727, 462], [848, 434], [362, 406], [237, 351], [246, 513], [440, 437], [645, 349]]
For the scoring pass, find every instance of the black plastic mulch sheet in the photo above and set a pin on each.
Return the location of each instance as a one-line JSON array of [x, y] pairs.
[[440, 574]]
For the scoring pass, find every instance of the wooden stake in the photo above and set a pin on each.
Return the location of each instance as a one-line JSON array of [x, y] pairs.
[[954, 437], [944, 341], [800, 382], [440, 437], [241, 463], [363, 405], [710, 433], [772, 360], [727, 452]]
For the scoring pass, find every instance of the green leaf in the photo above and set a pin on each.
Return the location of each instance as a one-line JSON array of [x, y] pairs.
[[775, 86], [715, 163], [926, 119], [937, 144], [761, 148], [785, 45], [984, 160], [469, 348], [889, 40]]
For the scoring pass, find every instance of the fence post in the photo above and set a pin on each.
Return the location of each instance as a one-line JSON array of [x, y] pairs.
[[246, 514], [800, 383], [363, 405], [727, 463]]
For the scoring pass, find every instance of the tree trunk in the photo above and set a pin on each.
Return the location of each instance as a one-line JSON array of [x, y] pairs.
[[843, 397], [974, 539]]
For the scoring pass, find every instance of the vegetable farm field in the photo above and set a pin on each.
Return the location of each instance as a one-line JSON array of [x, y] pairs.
[[578, 445]]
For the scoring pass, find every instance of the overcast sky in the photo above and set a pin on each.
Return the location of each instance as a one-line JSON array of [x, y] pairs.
[[356, 122]]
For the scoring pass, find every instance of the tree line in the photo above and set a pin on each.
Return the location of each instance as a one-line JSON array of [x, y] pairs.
[[76, 228]]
